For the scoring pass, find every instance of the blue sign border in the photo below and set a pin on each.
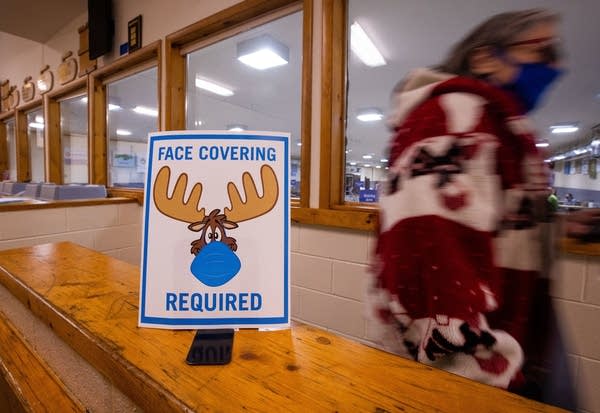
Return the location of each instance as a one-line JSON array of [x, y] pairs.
[[214, 321]]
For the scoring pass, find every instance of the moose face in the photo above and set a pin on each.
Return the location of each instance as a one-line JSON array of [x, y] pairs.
[[215, 261], [212, 229]]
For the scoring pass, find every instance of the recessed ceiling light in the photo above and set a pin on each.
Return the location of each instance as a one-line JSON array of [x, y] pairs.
[[542, 144], [113, 107], [236, 128], [564, 128], [84, 99], [262, 52], [378, 167], [352, 163], [213, 87], [369, 115], [364, 48], [39, 119], [36, 125], [367, 157], [367, 165], [123, 132], [143, 110], [383, 160], [299, 144]]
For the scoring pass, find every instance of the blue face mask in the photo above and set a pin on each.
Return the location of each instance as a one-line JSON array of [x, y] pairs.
[[531, 83]]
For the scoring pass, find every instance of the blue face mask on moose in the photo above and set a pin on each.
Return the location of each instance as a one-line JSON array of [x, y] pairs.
[[531, 83]]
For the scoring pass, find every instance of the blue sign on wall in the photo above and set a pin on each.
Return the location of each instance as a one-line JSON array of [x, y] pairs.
[[368, 195]]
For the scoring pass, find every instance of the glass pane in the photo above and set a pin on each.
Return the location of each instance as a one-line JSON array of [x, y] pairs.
[[132, 114], [35, 134], [74, 140], [265, 99], [12, 150]]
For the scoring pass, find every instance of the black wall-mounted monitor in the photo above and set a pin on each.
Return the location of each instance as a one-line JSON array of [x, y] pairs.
[[101, 27]]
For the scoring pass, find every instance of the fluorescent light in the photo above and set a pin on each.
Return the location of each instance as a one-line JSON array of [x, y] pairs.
[[364, 48], [213, 87], [299, 144], [595, 142], [367, 165], [559, 157], [36, 125], [369, 115], [39, 119], [143, 110], [383, 160], [123, 132], [378, 167], [262, 52], [84, 99], [564, 128], [263, 59], [352, 163], [542, 144], [113, 107], [580, 151], [367, 157], [236, 128]]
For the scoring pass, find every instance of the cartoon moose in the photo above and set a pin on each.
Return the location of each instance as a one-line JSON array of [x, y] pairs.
[[215, 261]]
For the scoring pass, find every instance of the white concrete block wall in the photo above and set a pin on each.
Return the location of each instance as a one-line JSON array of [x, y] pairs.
[[113, 229], [576, 292]]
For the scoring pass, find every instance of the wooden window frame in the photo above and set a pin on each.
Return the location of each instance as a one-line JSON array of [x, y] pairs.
[[23, 164], [97, 113], [4, 156], [332, 211], [52, 131], [224, 24]]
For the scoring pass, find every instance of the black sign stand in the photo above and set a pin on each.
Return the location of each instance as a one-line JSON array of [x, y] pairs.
[[211, 347]]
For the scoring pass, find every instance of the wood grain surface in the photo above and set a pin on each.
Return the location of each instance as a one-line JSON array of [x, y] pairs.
[[27, 384], [91, 302]]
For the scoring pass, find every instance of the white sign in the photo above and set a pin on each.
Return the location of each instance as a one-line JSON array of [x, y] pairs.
[[215, 250]]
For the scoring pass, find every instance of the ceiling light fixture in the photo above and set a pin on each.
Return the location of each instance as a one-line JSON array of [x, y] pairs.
[[263, 52], [369, 115], [364, 48], [36, 125], [564, 128], [84, 99], [123, 132], [367, 165], [367, 157], [113, 107], [39, 119], [212, 87], [542, 144], [236, 128], [143, 110], [383, 160]]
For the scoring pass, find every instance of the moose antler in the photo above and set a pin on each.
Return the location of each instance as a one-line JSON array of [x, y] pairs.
[[175, 206], [255, 205]]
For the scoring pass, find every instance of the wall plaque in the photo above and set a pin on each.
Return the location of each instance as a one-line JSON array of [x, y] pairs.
[[85, 64], [45, 81], [28, 89], [67, 70]]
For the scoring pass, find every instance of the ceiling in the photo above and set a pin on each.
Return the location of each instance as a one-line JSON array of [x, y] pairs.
[[409, 33], [38, 20]]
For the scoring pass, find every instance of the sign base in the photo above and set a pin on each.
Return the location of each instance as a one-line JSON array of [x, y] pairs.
[[211, 347]]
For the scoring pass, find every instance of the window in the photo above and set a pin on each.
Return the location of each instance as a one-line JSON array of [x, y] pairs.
[[132, 108], [74, 139], [35, 138], [230, 88], [11, 146]]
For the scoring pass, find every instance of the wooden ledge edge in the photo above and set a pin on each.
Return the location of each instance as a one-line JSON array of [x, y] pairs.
[[573, 246], [350, 219], [145, 391]]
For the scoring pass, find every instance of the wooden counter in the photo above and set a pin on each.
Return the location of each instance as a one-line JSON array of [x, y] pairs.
[[91, 302], [27, 203]]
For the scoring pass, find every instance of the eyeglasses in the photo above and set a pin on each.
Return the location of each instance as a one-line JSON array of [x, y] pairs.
[[548, 47]]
